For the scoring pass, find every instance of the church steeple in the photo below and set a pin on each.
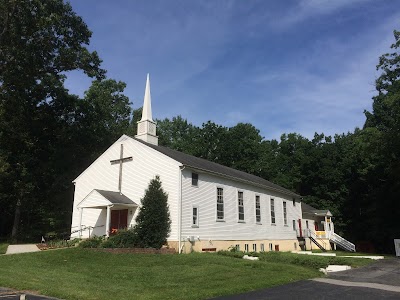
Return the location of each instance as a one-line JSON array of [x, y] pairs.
[[146, 129]]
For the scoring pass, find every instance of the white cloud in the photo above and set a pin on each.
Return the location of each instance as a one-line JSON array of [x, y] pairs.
[[311, 8]]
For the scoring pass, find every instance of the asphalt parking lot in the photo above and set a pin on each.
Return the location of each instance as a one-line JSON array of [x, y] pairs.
[[379, 280]]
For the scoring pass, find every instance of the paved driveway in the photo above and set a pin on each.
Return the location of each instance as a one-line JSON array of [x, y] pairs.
[[380, 280]]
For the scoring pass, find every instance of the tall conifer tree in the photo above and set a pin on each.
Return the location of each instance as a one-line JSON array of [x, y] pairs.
[[153, 223]]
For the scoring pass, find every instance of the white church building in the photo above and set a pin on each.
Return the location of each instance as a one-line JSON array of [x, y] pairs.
[[212, 207]]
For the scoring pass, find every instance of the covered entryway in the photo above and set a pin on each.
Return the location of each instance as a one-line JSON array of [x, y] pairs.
[[104, 213]]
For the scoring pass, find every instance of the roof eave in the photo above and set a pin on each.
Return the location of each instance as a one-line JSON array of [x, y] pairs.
[[243, 180]]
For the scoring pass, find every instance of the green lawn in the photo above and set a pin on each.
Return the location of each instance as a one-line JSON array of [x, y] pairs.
[[347, 253], [313, 261], [3, 248], [84, 274]]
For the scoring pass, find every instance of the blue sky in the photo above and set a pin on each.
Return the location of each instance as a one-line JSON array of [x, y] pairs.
[[299, 66]]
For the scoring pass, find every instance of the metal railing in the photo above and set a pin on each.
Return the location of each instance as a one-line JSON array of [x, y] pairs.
[[318, 240], [84, 228], [342, 242]]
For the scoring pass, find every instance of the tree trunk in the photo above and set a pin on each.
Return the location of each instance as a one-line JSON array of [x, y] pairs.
[[17, 215]]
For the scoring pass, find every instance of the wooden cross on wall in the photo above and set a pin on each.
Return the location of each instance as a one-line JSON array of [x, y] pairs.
[[120, 161]]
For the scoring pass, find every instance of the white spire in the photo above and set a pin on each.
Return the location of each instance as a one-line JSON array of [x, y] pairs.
[[147, 128], [146, 112]]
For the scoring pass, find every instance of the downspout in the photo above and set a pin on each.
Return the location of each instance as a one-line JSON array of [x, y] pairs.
[[181, 168]]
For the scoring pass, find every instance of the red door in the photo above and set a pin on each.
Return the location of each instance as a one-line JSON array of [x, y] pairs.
[[300, 231], [119, 220]]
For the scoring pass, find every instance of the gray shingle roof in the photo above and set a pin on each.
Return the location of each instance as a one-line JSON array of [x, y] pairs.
[[308, 209], [205, 165], [115, 197]]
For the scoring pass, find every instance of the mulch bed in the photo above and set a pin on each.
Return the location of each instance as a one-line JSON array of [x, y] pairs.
[[135, 250]]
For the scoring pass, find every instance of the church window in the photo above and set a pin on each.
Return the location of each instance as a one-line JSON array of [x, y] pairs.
[[284, 213], [272, 211], [220, 204], [262, 248], [195, 220], [246, 247], [240, 206], [270, 246], [237, 247], [254, 247], [195, 179], [258, 209]]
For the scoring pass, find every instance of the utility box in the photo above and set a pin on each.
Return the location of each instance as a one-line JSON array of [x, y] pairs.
[[397, 247]]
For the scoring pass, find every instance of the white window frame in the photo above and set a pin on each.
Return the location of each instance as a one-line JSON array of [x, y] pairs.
[[272, 211], [195, 224], [254, 247], [240, 203], [246, 247], [262, 249], [285, 214], [220, 201], [197, 180], [258, 209], [271, 247], [237, 247]]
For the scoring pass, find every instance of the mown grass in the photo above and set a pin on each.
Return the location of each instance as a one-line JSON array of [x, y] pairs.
[[84, 274], [3, 248], [313, 261], [309, 261], [346, 253]]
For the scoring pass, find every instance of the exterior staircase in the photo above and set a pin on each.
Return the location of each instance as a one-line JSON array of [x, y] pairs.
[[317, 241], [341, 242]]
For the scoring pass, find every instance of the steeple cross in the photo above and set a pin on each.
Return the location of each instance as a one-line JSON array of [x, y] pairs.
[[121, 160]]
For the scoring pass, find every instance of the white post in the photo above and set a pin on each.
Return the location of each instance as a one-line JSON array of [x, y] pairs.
[[108, 220], [180, 210], [80, 221], [326, 227]]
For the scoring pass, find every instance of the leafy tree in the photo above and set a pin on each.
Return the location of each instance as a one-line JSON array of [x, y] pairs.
[[178, 134], [39, 42], [153, 222], [384, 123], [211, 144], [136, 117], [242, 148]]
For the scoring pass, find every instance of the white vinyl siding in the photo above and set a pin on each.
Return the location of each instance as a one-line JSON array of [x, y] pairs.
[[136, 176], [228, 228], [240, 207]]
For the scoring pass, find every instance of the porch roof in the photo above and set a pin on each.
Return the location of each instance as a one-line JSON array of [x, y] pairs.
[[101, 198], [308, 209]]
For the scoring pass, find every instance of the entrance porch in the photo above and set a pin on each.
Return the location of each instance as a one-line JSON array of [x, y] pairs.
[[102, 213]]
